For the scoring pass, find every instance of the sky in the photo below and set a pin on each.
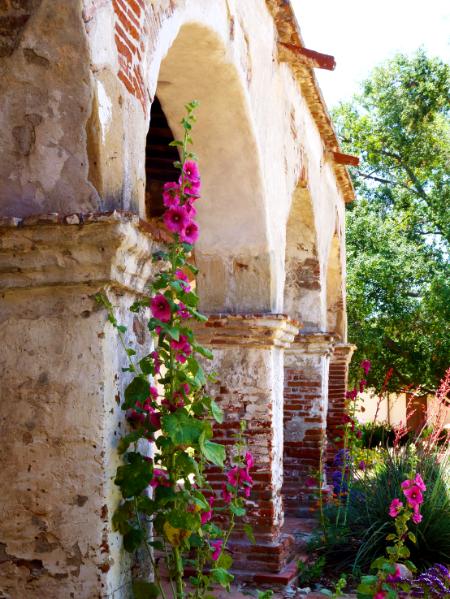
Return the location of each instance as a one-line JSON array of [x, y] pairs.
[[361, 33]]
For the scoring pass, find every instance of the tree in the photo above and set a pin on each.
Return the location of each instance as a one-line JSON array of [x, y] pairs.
[[398, 229]]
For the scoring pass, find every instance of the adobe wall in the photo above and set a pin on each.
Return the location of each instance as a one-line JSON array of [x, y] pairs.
[[77, 82]]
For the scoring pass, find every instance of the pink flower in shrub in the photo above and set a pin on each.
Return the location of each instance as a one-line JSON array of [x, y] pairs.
[[182, 349], [249, 460], [190, 233], [191, 176], [395, 507], [417, 516], [160, 478], [156, 361], [181, 276], [226, 495], [366, 365], [413, 496], [176, 219], [183, 312], [418, 481], [206, 516], [380, 595], [160, 308], [216, 547], [362, 384], [171, 194]]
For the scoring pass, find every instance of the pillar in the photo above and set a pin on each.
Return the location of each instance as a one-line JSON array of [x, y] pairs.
[[61, 383], [248, 359], [337, 387], [305, 415]]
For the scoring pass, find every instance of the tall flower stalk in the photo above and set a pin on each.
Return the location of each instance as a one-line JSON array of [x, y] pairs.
[[168, 505]]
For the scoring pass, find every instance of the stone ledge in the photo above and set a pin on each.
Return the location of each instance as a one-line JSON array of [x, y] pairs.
[[91, 249], [249, 330], [313, 343]]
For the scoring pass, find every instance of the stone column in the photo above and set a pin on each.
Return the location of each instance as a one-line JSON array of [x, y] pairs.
[[61, 382], [337, 386], [305, 414], [248, 359]]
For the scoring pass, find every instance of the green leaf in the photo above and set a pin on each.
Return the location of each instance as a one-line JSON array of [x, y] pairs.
[[134, 477], [225, 561], [249, 532], [133, 539], [184, 520], [137, 390], [216, 411], [237, 510], [412, 537], [121, 328], [126, 441], [223, 577], [182, 428], [145, 590], [213, 452]]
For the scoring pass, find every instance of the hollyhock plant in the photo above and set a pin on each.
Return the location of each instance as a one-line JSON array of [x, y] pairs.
[[413, 496], [176, 219], [395, 507], [160, 308], [168, 403], [190, 233], [171, 194]]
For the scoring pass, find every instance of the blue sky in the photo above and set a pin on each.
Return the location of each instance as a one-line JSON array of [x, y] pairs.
[[361, 33]]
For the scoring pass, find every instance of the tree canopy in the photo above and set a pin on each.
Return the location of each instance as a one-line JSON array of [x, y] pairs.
[[398, 229]]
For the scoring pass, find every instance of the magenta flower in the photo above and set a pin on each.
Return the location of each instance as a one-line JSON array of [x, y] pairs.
[[207, 516], [181, 276], [153, 392], [395, 508], [216, 547], [362, 465], [418, 481], [190, 233], [156, 362], [362, 384], [190, 208], [310, 482], [413, 496], [176, 219], [366, 365], [183, 312], [182, 348], [417, 516], [160, 478], [379, 595], [249, 460], [233, 476], [351, 394], [171, 194], [160, 308], [226, 495], [191, 176]]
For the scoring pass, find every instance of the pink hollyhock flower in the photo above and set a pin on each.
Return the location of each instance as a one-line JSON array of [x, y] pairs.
[[156, 361], [310, 482], [417, 516], [191, 175], [206, 516], [366, 365], [171, 194], [418, 481], [190, 209], [160, 478], [394, 577], [182, 349], [395, 507], [249, 460], [153, 416], [160, 308], [413, 496], [406, 484], [351, 394], [181, 276], [233, 476], [216, 547], [362, 384], [190, 233], [183, 312], [379, 595], [226, 495], [153, 392], [176, 219]]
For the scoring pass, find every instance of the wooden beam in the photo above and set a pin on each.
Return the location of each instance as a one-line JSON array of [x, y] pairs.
[[312, 58], [346, 159]]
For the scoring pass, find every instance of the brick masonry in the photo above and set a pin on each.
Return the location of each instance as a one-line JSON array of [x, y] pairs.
[[305, 415], [337, 386]]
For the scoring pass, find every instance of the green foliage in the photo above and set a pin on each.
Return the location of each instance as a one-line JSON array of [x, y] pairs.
[[310, 572], [357, 544], [398, 230]]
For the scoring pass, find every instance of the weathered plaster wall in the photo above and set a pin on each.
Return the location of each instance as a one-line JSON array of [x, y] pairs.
[[61, 383]]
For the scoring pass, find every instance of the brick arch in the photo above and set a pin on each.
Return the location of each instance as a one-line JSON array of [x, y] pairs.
[[303, 297], [233, 251]]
